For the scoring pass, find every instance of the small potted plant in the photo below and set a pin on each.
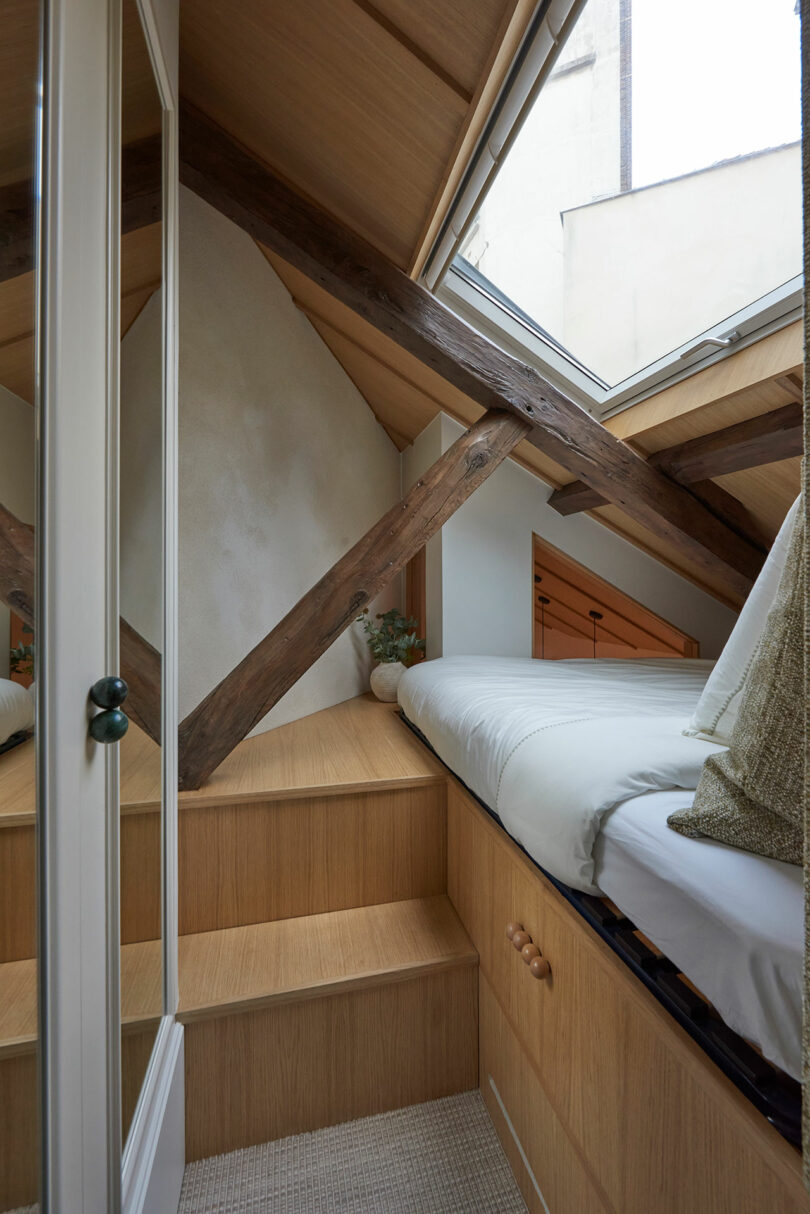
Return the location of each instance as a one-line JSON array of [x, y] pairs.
[[394, 644]]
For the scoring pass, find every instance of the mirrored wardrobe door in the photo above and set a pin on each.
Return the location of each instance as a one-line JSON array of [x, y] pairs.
[[19, 94], [141, 556]]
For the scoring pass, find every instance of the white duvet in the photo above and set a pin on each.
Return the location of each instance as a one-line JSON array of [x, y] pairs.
[[552, 746]]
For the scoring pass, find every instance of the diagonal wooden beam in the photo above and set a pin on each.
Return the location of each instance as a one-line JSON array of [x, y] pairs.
[[229, 712], [140, 661], [141, 205], [247, 192], [747, 444]]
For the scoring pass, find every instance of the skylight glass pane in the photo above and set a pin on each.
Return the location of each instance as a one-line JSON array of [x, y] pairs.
[[655, 188]]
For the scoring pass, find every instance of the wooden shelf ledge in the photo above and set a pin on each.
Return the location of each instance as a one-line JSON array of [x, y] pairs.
[[294, 960]]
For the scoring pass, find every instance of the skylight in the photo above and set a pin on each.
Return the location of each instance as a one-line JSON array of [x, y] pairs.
[[654, 191]]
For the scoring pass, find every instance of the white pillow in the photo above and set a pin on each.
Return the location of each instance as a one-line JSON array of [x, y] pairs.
[[16, 709], [716, 711]]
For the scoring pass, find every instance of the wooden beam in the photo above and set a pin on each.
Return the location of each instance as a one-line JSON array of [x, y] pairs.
[[139, 662], [141, 205], [230, 711], [747, 444], [247, 192]]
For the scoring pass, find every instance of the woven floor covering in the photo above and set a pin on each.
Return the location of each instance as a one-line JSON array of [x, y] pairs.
[[434, 1158]]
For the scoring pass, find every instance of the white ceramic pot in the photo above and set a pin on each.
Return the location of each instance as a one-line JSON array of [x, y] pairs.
[[385, 680]]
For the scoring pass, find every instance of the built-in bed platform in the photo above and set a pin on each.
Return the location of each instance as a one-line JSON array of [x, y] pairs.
[[729, 922]]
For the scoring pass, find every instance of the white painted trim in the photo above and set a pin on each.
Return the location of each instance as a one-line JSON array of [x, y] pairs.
[[155, 1156]]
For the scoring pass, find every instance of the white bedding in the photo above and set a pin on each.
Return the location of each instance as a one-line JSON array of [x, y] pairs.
[[732, 922], [551, 746]]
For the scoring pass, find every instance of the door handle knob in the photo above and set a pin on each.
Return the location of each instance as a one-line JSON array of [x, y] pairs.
[[111, 723]]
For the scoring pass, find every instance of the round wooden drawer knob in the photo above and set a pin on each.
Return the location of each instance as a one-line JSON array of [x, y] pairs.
[[520, 939], [511, 928], [529, 952], [539, 967]]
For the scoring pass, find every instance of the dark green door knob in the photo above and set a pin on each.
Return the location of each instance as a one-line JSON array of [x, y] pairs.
[[109, 726], [109, 693]]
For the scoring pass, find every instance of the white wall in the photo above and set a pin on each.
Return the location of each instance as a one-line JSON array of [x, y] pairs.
[[483, 593], [282, 467], [17, 473]]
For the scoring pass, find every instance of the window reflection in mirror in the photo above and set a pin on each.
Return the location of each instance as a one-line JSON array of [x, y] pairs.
[[19, 73], [141, 557]]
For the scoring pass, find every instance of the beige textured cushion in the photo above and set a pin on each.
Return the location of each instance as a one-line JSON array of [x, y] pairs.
[[751, 795]]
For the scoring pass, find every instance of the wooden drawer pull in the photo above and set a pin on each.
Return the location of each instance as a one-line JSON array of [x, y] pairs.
[[520, 940], [529, 952], [511, 928], [539, 967]]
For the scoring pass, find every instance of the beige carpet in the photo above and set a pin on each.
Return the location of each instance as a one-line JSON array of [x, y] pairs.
[[436, 1158]]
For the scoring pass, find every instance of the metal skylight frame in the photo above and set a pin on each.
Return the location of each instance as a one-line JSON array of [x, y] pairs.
[[463, 289]]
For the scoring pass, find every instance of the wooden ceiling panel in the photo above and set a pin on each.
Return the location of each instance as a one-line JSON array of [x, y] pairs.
[[333, 101], [767, 492], [457, 36]]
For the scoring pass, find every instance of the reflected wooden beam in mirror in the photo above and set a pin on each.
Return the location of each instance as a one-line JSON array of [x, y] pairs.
[[141, 205], [140, 661]]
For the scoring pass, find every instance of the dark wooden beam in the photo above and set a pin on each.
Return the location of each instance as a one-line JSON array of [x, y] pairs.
[[354, 272], [747, 444], [140, 661], [141, 205], [247, 694]]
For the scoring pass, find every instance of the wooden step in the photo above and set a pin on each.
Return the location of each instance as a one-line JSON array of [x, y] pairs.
[[308, 1022], [343, 808]]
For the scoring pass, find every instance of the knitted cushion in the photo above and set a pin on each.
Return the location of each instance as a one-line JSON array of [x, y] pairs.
[[751, 794]]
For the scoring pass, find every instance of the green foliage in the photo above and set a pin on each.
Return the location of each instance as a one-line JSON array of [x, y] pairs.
[[21, 657], [394, 639]]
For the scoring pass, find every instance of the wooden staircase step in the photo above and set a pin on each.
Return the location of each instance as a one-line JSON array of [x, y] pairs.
[[292, 960]]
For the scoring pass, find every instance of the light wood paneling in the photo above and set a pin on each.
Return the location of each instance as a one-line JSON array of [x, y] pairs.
[[245, 863], [18, 1131], [627, 1083], [19, 52], [626, 629], [779, 354], [333, 101], [17, 893], [555, 1159], [359, 745], [294, 960], [296, 1067]]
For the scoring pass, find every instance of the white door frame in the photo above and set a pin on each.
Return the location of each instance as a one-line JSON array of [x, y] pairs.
[[77, 627], [154, 1156], [77, 612]]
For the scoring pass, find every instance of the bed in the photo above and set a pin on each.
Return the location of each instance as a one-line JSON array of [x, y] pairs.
[[581, 762]]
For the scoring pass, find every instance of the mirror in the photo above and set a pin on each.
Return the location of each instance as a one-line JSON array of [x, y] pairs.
[[141, 557], [19, 92]]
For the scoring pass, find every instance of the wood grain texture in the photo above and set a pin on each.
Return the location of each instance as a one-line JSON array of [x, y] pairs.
[[295, 960], [17, 893], [627, 1084], [297, 1067], [18, 1131], [555, 1159], [336, 101], [246, 695], [626, 629], [250, 862], [360, 745], [765, 439], [244, 190]]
